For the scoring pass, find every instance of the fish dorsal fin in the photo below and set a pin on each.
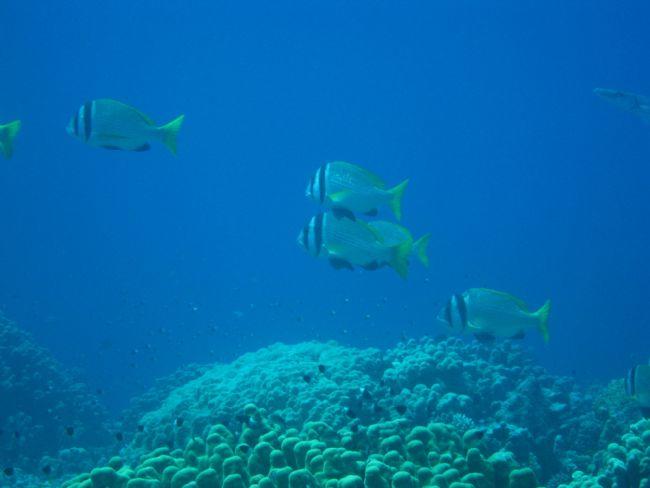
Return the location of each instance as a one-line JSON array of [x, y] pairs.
[[506, 297], [353, 168]]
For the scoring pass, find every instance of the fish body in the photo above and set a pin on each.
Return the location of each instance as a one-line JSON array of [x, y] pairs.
[[489, 313], [8, 133], [346, 243], [111, 124], [630, 102], [637, 385], [393, 234], [345, 186]]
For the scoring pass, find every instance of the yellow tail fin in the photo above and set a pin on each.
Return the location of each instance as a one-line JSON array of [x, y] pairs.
[[400, 258], [542, 314], [7, 134], [420, 248], [397, 193], [170, 133]]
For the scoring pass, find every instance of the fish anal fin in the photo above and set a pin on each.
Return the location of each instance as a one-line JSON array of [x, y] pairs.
[[341, 213], [484, 337], [340, 263], [145, 147]]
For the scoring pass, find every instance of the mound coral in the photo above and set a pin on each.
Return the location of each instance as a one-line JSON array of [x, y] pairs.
[[265, 455]]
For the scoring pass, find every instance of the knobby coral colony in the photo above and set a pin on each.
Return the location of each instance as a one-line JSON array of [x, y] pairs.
[[264, 454], [430, 413]]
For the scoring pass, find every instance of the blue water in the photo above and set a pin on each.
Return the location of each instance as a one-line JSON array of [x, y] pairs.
[[129, 265]]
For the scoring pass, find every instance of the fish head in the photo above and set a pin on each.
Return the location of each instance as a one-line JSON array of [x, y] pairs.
[[450, 315], [310, 237], [76, 126], [607, 93]]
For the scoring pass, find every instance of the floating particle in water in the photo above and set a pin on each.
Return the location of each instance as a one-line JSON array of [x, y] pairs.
[[9, 471], [119, 436], [321, 368], [69, 430], [179, 421], [367, 316], [401, 409], [140, 428], [306, 378], [333, 313], [47, 469]]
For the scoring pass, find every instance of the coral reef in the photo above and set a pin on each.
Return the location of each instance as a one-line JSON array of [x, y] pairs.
[[39, 401], [547, 422], [266, 455], [623, 464]]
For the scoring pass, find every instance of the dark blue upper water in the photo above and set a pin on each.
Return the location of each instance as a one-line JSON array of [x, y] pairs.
[[129, 265]]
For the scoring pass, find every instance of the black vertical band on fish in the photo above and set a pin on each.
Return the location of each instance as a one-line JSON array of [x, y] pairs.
[[305, 236], [321, 182], [87, 116], [311, 185], [318, 232], [630, 383], [462, 311]]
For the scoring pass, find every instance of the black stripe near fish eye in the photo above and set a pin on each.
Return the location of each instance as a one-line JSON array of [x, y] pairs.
[[631, 382], [462, 310], [305, 237], [318, 233], [87, 119], [311, 185], [321, 183]]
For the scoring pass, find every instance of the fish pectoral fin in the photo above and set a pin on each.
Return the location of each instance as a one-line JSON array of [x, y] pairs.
[[144, 147], [484, 337], [343, 213], [340, 263], [339, 196], [519, 335]]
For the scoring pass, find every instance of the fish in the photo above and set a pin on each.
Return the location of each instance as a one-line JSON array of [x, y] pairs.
[[114, 125], [179, 421], [69, 430], [637, 385], [348, 189], [8, 133], [47, 469], [140, 428], [630, 102], [119, 437], [347, 243], [321, 368], [393, 234], [8, 471], [401, 409], [490, 313], [306, 378]]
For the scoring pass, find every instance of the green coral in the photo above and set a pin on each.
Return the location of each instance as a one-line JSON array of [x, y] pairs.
[[387, 454]]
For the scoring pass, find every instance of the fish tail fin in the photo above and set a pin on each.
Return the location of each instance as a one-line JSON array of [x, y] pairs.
[[420, 247], [399, 260], [170, 133], [542, 314], [7, 136], [396, 193]]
